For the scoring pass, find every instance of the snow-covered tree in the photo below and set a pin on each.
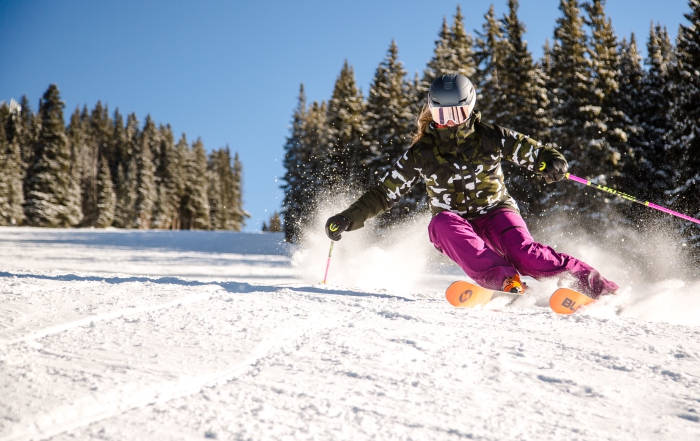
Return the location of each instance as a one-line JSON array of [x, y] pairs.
[[490, 54], [347, 147], [607, 127], [126, 196], [106, 198], [685, 117], [146, 191], [453, 54], [685, 143], [79, 141], [657, 169], [195, 203], [568, 71], [169, 181], [27, 129], [388, 113], [390, 124], [523, 108], [306, 162], [11, 191], [629, 99], [238, 214], [226, 206], [53, 197], [295, 156]]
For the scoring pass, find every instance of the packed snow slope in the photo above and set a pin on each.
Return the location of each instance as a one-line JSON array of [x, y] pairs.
[[125, 335]]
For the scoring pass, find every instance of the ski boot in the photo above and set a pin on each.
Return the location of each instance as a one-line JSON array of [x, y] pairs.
[[514, 284]]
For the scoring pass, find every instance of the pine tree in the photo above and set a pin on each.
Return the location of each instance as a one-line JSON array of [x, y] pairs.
[[226, 206], [126, 196], [462, 48], [106, 198], [390, 122], [524, 108], [569, 85], [631, 94], [168, 174], [453, 54], [388, 113], [11, 192], [275, 223], [348, 149], [99, 131], [196, 201], [183, 156], [234, 199], [440, 64], [490, 56], [685, 117], [79, 141], [126, 142], [305, 162], [657, 169], [53, 198], [217, 206], [685, 144], [27, 131], [295, 158], [145, 177], [525, 103], [607, 128]]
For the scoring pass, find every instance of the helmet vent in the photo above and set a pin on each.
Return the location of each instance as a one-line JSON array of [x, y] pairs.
[[449, 83]]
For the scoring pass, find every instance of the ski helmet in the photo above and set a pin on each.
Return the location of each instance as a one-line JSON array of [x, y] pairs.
[[451, 98]]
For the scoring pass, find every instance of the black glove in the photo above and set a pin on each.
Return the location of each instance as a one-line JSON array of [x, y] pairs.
[[336, 225], [554, 170]]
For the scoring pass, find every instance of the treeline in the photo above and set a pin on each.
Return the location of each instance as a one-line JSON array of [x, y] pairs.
[[103, 171], [622, 122]]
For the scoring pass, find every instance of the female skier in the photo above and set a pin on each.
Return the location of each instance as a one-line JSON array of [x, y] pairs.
[[476, 223]]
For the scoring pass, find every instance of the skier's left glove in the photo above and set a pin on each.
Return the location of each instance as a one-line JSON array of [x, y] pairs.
[[335, 225], [554, 170]]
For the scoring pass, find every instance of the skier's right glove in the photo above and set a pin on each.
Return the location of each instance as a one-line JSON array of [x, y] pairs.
[[554, 170], [335, 225]]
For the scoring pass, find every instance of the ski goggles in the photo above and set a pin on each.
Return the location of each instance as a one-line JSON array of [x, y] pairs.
[[457, 114]]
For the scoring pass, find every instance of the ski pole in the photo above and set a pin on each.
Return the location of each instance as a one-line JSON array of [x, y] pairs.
[[325, 277], [630, 198]]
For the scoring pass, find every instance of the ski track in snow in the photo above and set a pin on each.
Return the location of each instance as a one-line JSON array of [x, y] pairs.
[[145, 335]]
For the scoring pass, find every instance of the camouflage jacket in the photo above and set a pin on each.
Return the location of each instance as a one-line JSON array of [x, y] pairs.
[[461, 167]]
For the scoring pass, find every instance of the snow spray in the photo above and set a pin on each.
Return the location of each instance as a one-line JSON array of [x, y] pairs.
[[650, 265], [656, 282], [396, 260]]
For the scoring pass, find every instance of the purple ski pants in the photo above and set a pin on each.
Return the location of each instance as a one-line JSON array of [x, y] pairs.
[[499, 245]]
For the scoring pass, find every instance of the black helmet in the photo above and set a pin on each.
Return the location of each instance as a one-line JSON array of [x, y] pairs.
[[454, 91]]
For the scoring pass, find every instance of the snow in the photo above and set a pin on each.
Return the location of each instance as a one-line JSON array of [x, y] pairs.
[[113, 334]]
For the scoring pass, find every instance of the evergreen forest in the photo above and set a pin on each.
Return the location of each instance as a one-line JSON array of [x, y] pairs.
[[105, 170], [621, 121]]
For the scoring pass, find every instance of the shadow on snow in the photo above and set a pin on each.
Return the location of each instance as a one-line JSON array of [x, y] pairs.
[[228, 286]]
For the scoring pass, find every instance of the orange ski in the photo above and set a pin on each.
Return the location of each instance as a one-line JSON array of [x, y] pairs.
[[567, 301], [468, 295]]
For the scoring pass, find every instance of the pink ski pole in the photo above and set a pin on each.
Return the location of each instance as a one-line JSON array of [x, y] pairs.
[[328, 264], [631, 198]]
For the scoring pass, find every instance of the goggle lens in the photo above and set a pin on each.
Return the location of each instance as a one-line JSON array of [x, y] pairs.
[[457, 114]]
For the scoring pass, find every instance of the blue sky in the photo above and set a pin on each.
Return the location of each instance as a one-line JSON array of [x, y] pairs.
[[229, 71]]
